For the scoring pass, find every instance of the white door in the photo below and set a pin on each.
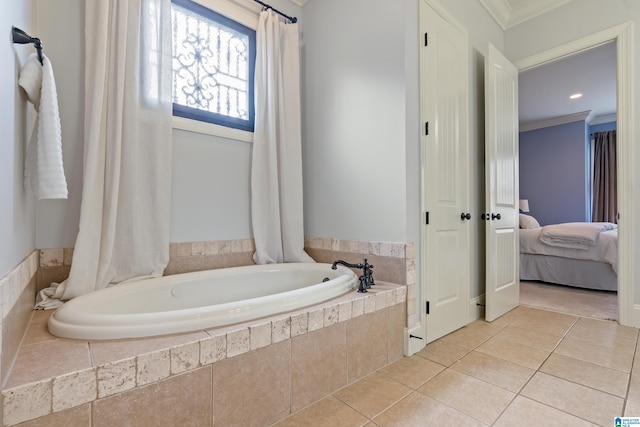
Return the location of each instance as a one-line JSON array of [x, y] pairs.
[[501, 174], [445, 237]]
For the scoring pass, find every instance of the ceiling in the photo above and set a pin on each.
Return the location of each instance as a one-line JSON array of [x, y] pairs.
[[544, 91]]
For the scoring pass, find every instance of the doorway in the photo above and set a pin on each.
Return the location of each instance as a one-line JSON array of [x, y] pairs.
[[621, 35], [561, 104]]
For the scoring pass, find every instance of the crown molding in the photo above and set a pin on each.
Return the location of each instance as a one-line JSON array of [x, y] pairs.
[[583, 116], [500, 10], [604, 119], [530, 9], [509, 13], [299, 2]]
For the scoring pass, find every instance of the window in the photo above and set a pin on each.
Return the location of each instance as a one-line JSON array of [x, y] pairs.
[[213, 67]]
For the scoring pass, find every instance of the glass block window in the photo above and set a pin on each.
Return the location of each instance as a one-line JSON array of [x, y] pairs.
[[213, 66]]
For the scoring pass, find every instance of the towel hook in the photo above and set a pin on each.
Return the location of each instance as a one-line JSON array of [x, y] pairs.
[[20, 37]]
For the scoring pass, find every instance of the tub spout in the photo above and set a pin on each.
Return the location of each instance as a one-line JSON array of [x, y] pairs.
[[366, 279]]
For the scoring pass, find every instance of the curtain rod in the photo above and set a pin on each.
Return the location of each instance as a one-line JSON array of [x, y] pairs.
[[291, 19]]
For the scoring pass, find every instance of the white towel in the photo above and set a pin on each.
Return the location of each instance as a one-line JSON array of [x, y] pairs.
[[44, 171]]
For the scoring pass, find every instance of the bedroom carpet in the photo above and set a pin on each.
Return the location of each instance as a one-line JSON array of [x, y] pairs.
[[565, 299]]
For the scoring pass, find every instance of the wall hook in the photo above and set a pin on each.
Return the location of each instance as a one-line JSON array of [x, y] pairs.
[[20, 37]]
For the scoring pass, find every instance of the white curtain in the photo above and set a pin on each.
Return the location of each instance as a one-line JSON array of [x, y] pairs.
[[276, 167], [124, 217]]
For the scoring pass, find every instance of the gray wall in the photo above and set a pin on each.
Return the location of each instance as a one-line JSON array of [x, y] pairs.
[[210, 184], [17, 212], [362, 120], [354, 120], [553, 173]]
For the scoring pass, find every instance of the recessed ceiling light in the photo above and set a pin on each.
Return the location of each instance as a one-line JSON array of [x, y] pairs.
[[575, 96]]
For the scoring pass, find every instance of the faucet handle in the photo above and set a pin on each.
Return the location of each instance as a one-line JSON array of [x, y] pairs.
[[362, 288]]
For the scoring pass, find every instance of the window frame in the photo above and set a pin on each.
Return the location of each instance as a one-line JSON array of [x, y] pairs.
[[196, 120]]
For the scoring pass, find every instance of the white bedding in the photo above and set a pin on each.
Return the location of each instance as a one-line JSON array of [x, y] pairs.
[[606, 249], [574, 235]]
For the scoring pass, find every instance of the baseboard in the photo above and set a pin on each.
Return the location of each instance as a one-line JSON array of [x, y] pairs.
[[476, 308], [635, 316], [414, 339]]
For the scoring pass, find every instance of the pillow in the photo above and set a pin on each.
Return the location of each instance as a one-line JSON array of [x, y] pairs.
[[527, 221]]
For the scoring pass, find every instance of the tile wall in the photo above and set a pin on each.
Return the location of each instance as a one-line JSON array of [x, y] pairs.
[[18, 289]]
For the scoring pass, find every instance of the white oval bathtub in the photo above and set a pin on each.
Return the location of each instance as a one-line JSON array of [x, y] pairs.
[[196, 301]]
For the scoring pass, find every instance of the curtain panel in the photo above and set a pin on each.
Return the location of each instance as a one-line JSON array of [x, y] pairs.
[[125, 208], [276, 166], [605, 189]]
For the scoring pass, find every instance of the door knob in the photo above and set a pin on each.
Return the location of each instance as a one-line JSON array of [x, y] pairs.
[[495, 216], [464, 216]]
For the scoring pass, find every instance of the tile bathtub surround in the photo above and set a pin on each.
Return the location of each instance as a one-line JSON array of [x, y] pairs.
[[17, 296], [234, 365], [55, 265], [185, 257], [393, 262]]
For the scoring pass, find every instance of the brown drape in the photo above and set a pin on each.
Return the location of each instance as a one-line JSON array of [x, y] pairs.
[[604, 177]]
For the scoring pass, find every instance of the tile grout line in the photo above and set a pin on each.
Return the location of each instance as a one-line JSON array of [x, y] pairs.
[[537, 370], [565, 336], [633, 361], [516, 394]]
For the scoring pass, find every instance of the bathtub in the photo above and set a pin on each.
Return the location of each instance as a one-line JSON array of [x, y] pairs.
[[199, 300]]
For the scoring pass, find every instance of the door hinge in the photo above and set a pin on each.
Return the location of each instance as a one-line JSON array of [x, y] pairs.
[[426, 218], [427, 307], [426, 39], [426, 128]]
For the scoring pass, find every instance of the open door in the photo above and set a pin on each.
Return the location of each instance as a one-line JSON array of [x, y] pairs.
[[501, 175]]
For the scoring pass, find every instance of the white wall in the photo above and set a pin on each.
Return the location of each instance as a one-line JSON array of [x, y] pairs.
[[61, 29], [210, 197], [354, 120], [17, 213]]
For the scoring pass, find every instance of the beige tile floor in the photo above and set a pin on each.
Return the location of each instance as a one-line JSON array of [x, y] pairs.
[[531, 367]]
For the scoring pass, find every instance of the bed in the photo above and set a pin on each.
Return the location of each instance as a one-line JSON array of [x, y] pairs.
[[582, 254]]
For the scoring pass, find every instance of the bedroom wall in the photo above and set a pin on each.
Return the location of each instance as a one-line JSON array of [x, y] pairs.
[[554, 172]]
